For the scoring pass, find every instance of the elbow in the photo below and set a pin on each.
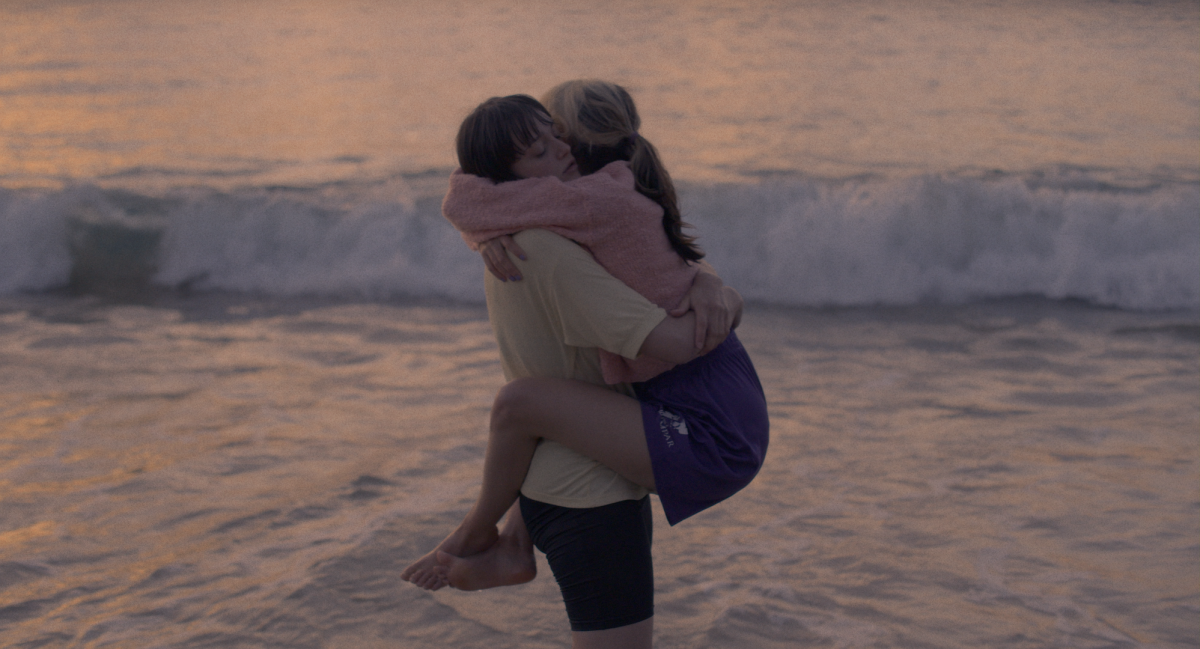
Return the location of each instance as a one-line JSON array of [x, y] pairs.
[[672, 359], [675, 350], [685, 354]]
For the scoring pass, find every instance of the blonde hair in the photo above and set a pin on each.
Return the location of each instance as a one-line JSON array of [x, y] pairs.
[[600, 122]]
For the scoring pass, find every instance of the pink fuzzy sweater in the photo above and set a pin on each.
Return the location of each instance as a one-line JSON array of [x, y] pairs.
[[604, 213]]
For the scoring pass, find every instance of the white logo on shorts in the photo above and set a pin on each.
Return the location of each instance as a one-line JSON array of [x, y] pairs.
[[669, 422]]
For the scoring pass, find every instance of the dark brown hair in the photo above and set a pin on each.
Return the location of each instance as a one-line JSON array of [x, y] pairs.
[[496, 133]]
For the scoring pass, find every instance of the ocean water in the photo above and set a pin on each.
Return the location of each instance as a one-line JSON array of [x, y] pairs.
[[858, 154], [228, 471], [245, 367]]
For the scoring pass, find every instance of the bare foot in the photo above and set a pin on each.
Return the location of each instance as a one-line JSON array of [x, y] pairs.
[[507, 563], [429, 579], [461, 543]]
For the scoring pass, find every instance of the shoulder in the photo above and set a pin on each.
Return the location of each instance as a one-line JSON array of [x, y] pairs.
[[562, 266], [550, 245]]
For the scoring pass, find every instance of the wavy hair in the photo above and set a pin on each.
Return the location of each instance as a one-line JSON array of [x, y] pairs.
[[601, 122]]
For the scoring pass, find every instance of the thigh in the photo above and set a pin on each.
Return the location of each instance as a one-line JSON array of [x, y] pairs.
[[591, 420], [600, 557]]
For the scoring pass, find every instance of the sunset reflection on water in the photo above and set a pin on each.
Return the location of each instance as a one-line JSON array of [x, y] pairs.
[[321, 92]]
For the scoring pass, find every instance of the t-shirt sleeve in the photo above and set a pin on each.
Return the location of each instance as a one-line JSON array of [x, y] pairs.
[[594, 308]]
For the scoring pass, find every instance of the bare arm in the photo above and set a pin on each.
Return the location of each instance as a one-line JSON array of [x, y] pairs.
[[701, 321], [717, 311], [673, 340]]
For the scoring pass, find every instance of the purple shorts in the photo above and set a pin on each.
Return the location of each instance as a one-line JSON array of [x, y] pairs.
[[706, 426]]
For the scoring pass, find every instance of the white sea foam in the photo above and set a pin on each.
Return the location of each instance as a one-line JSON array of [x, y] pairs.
[[278, 244], [949, 240], [33, 242], [799, 242]]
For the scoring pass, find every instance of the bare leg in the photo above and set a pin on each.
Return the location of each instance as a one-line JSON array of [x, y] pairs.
[[588, 419], [591, 420], [633, 636], [507, 563]]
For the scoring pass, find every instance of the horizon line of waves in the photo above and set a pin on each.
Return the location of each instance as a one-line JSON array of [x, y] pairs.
[[793, 242], [949, 239]]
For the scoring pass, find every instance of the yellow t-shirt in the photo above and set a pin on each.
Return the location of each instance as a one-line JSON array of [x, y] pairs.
[[550, 324]]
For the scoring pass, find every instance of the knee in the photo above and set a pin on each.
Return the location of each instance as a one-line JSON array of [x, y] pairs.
[[512, 405]]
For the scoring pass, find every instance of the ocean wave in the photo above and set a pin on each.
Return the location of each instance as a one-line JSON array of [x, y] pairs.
[[786, 241], [950, 240]]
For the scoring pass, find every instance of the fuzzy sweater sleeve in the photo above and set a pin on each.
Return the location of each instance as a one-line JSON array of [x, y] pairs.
[[604, 212], [583, 210]]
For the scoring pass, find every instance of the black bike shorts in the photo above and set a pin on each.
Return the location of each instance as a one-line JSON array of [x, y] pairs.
[[600, 557]]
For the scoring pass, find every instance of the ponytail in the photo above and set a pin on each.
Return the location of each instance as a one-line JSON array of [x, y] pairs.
[[653, 181], [601, 122]]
